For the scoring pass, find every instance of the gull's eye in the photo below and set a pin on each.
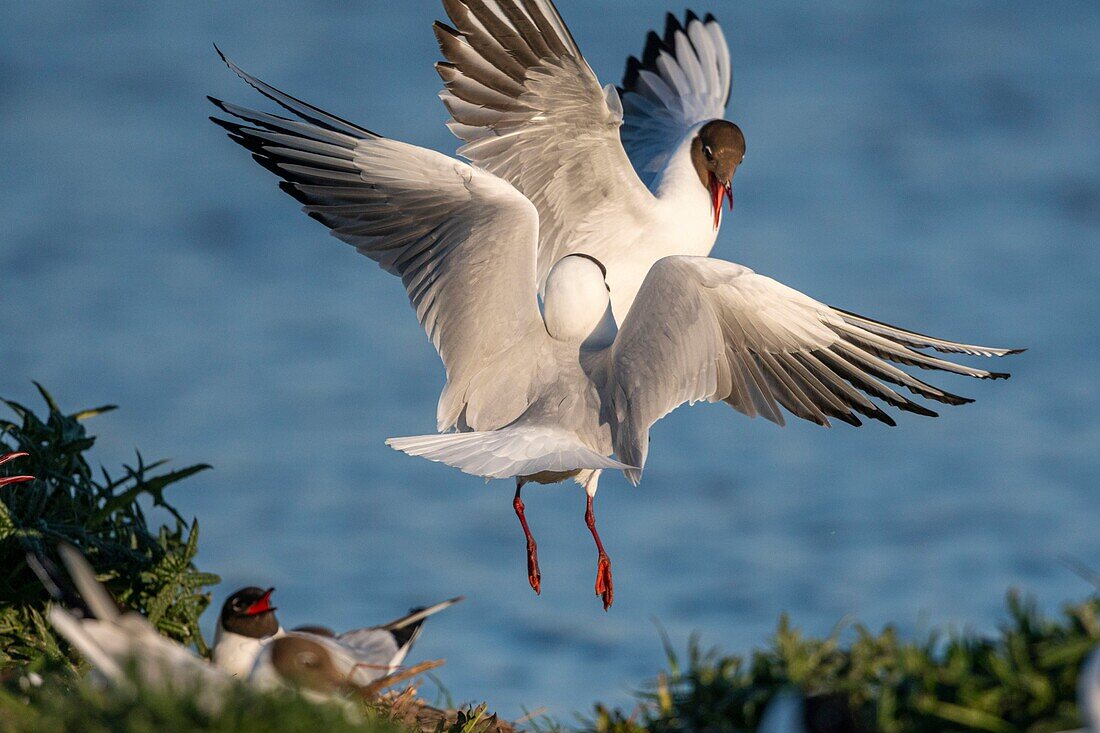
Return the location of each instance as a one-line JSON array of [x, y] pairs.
[[708, 152], [238, 604]]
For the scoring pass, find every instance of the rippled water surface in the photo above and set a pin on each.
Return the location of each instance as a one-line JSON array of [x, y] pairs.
[[932, 164]]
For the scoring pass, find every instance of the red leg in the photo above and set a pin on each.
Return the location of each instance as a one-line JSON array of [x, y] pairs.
[[604, 587], [534, 577]]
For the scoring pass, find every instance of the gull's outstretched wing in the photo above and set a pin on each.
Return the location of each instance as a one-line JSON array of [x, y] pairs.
[[705, 329], [532, 112], [681, 80], [462, 241]]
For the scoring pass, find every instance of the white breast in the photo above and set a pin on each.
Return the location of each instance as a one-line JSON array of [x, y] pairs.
[[236, 654], [683, 225]]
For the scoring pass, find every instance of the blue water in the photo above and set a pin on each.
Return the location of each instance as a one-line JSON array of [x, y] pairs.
[[933, 164]]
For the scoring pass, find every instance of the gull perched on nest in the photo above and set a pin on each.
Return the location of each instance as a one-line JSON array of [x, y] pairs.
[[247, 625], [123, 646]]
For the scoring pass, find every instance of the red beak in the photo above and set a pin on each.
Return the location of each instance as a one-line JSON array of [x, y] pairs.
[[261, 606], [719, 191], [13, 479]]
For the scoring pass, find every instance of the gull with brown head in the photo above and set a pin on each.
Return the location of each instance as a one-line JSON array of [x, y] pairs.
[[626, 174]]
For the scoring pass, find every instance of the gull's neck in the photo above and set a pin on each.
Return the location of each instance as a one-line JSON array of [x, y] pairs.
[[679, 181]]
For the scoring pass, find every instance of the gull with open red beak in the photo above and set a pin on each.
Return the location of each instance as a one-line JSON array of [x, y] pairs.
[[122, 645], [247, 622], [716, 152], [247, 625]]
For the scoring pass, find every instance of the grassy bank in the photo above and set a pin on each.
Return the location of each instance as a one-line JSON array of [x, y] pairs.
[[1021, 679]]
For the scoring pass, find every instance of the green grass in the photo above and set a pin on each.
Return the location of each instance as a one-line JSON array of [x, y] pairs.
[[67, 704], [1022, 679]]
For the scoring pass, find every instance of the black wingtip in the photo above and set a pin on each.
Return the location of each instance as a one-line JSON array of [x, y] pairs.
[[441, 27], [630, 75], [918, 409], [672, 26], [849, 419], [230, 127], [655, 44], [407, 633], [223, 57]]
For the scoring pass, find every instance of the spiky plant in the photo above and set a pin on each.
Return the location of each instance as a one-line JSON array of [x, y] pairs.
[[148, 568]]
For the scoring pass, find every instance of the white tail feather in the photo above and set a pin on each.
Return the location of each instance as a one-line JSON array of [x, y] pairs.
[[420, 615], [508, 452]]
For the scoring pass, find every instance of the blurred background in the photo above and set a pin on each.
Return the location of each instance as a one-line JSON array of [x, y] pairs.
[[934, 165]]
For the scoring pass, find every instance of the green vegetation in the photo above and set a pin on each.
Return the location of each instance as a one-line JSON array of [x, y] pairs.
[[64, 704], [148, 569], [1023, 679], [67, 705]]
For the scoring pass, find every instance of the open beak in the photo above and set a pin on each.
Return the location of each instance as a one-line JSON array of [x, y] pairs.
[[261, 606], [13, 479], [719, 191]]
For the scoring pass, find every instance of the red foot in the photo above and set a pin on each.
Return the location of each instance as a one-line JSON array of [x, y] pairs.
[[534, 577], [604, 587]]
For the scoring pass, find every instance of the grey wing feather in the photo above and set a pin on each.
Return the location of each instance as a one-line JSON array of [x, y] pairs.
[[462, 241], [681, 80], [704, 329], [373, 647], [531, 111], [388, 644]]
